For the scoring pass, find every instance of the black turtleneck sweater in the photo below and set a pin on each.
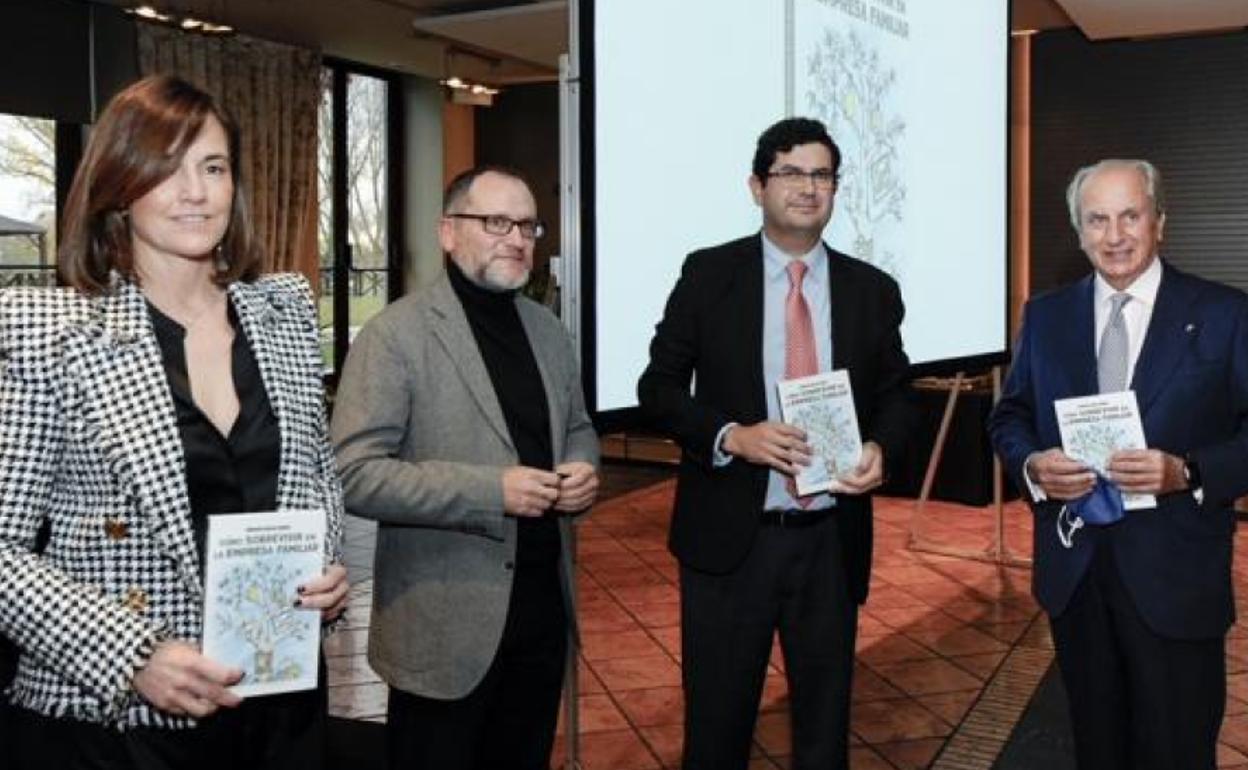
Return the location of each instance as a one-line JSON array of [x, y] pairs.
[[517, 382]]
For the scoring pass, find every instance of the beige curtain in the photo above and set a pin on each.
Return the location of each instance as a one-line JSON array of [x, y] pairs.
[[273, 91]]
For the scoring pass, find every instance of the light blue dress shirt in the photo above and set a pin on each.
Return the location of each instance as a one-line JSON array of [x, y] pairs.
[[816, 288]]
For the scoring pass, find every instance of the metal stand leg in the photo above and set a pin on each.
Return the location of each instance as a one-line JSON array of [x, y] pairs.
[[997, 551], [571, 678]]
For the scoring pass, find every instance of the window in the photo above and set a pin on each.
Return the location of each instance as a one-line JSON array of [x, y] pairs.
[[358, 168], [27, 201]]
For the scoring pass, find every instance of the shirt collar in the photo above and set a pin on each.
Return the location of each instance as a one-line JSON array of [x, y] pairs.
[[776, 261], [1142, 289]]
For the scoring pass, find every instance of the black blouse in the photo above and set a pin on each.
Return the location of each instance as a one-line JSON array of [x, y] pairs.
[[224, 474]]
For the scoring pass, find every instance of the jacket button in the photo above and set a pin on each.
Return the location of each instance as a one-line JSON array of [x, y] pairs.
[[116, 529], [135, 600], [509, 565]]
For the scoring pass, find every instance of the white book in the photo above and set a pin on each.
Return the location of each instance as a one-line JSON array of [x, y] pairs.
[[255, 563], [823, 406], [1094, 427]]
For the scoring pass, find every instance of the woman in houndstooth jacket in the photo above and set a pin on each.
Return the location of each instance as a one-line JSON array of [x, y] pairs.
[[166, 383]]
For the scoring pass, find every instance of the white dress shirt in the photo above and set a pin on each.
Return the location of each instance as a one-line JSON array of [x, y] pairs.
[[1135, 314]]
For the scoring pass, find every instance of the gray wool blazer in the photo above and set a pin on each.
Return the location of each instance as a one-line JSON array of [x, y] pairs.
[[422, 444], [89, 446]]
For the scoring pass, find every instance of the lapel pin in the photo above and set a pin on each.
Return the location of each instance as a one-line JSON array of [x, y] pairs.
[[1190, 328]]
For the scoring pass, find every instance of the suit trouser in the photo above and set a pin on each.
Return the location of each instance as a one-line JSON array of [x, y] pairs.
[[1138, 701], [271, 732], [508, 720], [793, 581]]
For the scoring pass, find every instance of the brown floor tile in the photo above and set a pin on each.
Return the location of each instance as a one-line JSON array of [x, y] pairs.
[[589, 548], [659, 615], [775, 694], [963, 640], [1230, 757], [604, 618], [950, 706], [864, 758], [868, 685], [1235, 732], [892, 597], [773, 734], [1006, 632], [926, 677], [1237, 685], [981, 666], [650, 593], [666, 741], [606, 645], [891, 649], [915, 616], [932, 622], [907, 575], [656, 706], [911, 755], [637, 673], [615, 750], [597, 713], [623, 577], [668, 638], [978, 612], [896, 720], [587, 680]]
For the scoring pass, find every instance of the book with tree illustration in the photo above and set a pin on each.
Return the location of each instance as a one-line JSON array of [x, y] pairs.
[[255, 563], [823, 406], [1094, 427]]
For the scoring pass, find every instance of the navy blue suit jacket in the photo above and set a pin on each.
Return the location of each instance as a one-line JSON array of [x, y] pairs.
[[1191, 382]]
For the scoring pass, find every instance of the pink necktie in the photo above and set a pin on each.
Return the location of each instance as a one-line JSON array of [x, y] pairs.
[[800, 357]]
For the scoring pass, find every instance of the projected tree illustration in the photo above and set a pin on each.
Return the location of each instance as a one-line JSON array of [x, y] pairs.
[[851, 92]]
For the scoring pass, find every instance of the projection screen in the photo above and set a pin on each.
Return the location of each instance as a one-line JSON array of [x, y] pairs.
[[915, 92]]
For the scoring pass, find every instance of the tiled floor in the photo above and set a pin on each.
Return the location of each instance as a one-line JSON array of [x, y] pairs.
[[949, 649]]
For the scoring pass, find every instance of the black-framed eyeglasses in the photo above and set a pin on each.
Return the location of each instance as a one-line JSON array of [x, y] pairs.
[[497, 224], [795, 178]]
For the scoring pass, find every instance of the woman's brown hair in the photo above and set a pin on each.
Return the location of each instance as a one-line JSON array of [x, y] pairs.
[[137, 143]]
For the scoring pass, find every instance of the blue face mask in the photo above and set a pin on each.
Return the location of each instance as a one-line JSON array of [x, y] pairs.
[[1101, 506]]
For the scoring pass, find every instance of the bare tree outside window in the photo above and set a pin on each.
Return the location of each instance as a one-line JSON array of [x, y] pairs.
[[27, 200], [366, 193]]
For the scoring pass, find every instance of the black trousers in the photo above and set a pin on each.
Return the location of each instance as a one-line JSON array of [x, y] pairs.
[[271, 732], [508, 721], [1138, 701], [794, 581]]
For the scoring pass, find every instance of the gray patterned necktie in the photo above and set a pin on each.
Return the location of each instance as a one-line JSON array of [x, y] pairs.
[[1111, 361]]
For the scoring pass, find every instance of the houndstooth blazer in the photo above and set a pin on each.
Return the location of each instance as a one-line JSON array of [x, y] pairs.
[[89, 446]]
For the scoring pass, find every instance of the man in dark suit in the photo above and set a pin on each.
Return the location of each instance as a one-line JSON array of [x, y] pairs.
[[754, 558], [1139, 608]]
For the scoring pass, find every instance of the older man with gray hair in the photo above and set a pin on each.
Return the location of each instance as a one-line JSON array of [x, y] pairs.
[[1140, 603]]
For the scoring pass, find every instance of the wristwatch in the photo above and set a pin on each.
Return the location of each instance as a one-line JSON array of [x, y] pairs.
[[1191, 474]]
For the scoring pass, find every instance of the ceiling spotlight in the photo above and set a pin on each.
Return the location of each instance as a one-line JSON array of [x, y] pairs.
[[186, 23]]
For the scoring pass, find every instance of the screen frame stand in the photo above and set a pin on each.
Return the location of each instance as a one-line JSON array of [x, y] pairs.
[[997, 551], [569, 280]]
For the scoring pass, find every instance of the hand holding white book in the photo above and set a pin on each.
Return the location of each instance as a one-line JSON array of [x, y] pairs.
[[1093, 428], [823, 406], [255, 564]]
